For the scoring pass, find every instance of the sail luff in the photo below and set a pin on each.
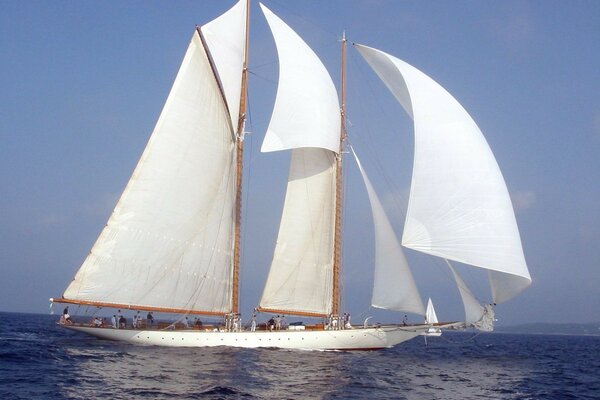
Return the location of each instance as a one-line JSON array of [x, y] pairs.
[[215, 72]]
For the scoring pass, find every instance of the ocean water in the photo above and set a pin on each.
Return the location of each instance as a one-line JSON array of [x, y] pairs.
[[39, 360]]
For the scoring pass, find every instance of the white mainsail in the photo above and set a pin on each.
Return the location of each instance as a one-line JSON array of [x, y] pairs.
[[306, 119], [168, 243], [430, 315], [459, 206], [394, 287]]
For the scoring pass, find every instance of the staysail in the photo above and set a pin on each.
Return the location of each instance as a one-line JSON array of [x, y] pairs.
[[394, 287], [459, 206], [306, 120], [473, 308], [168, 243]]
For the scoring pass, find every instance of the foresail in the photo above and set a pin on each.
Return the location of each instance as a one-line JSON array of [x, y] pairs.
[[459, 206], [168, 242], [306, 111], [225, 37], [473, 308], [394, 287], [301, 274]]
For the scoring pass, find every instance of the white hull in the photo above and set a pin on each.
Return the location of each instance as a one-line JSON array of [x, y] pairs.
[[348, 339]]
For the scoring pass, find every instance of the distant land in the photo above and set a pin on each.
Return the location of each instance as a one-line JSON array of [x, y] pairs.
[[590, 329]]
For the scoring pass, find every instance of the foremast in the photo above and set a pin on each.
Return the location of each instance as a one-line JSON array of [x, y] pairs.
[[337, 250], [239, 139]]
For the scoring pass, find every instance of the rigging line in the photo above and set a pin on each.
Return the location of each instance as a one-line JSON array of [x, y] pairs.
[[248, 175], [255, 67], [344, 212], [305, 19], [263, 78], [399, 200]]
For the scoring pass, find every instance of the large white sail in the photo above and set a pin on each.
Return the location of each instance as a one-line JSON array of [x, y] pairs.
[[459, 205], [301, 274], [225, 37], [394, 287], [168, 244], [305, 119], [306, 111]]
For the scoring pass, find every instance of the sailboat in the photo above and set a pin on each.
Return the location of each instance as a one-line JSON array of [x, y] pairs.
[[172, 243], [432, 320]]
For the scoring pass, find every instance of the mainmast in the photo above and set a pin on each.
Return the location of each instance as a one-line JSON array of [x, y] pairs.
[[337, 249], [239, 166]]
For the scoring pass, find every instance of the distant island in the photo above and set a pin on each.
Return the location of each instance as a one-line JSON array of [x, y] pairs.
[[589, 329]]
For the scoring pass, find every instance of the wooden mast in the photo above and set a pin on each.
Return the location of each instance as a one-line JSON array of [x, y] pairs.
[[235, 285], [337, 249]]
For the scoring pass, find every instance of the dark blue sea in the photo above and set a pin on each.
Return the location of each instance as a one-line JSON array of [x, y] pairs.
[[39, 360]]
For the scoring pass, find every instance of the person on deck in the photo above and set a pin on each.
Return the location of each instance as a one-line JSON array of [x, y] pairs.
[[113, 321], [253, 323], [137, 320], [186, 323], [271, 323], [149, 319], [405, 320], [122, 322]]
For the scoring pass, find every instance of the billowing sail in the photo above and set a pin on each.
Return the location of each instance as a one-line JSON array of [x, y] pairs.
[[306, 111], [430, 315], [394, 287], [459, 206], [473, 308], [168, 243], [305, 119], [225, 38]]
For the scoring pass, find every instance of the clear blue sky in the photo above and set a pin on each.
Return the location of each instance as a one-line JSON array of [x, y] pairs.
[[82, 84]]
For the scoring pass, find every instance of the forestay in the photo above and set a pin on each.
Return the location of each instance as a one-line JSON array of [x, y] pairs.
[[168, 243], [459, 206], [394, 287], [305, 119]]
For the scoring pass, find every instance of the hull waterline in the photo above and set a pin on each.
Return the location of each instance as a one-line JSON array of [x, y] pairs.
[[349, 339]]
